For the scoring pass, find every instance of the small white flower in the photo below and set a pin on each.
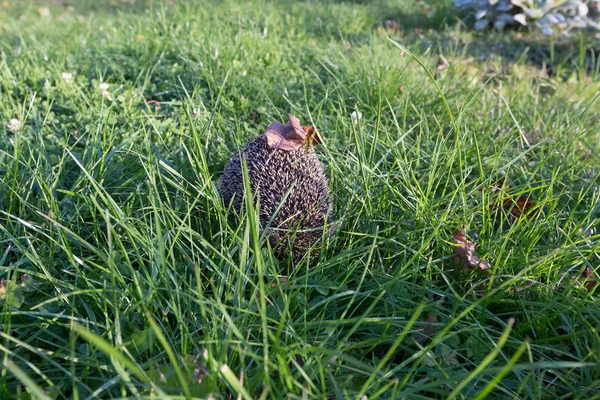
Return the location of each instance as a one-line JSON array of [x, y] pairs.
[[67, 76], [44, 12], [356, 116], [14, 124], [104, 89]]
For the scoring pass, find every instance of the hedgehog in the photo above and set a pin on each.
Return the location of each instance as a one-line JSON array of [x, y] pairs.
[[289, 180]]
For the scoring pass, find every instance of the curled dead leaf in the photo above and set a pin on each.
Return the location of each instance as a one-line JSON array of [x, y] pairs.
[[520, 206], [590, 278], [290, 136], [464, 250], [299, 360], [425, 330], [391, 25], [519, 289], [516, 206], [443, 63], [200, 372], [155, 102], [3, 285], [282, 280], [499, 185]]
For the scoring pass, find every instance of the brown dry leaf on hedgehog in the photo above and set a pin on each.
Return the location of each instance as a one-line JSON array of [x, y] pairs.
[[289, 180], [292, 136]]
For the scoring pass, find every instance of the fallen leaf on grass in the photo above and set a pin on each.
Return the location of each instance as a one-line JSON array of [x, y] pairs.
[[590, 278], [44, 12], [11, 290], [155, 102], [521, 206], [391, 25], [195, 373], [516, 206], [200, 372], [519, 289], [348, 47], [425, 331], [299, 360], [463, 252], [282, 280], [499, 185], [442, 64]]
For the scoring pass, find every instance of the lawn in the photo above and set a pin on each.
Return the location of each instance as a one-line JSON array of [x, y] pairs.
[[124, 275]]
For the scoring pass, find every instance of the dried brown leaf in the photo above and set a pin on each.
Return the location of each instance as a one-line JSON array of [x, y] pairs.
[[290, 136], [591, 280], [464, 250], [521, 206], [426, 331], [516, 206], [499, 185], [519, 289], [282, 280], [200, 372], [391, 25], [299, 360], [155, 102], [443, 64]]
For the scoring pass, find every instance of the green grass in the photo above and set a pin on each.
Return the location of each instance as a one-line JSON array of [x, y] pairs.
[[126, 278]]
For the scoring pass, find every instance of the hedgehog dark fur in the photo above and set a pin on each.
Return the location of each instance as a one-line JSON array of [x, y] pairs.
[[272, 173]]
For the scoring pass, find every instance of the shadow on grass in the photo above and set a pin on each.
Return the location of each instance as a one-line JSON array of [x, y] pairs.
[[442, 28]]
